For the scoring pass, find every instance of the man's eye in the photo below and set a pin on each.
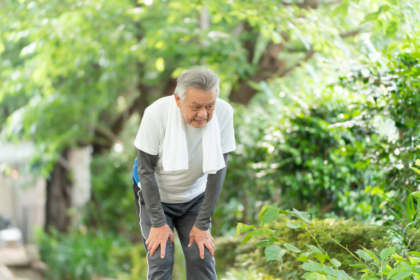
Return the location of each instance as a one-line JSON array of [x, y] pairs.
[[210, 107], [195, 108]]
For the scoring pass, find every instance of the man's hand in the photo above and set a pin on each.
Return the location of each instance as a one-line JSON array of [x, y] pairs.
[[202, 238], [158, 237]]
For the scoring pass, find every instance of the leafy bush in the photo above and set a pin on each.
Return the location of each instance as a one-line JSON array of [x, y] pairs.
[[350, 233], [83, 254], [298, 151], [317, 261], [113, 196], [248, 274]]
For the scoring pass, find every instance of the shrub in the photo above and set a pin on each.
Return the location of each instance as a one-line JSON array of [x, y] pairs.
[[83, 254], [318, 262], [348, 232]]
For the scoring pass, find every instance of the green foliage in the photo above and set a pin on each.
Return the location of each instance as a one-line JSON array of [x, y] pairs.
[[113, 195], [321, 263], [392, 111], [86, 253], [64, 65], [350, 233], [246, 274], [297, 154], [83, 254], [337, 149]]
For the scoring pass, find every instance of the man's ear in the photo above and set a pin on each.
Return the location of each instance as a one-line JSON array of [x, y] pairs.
[[178, 100]]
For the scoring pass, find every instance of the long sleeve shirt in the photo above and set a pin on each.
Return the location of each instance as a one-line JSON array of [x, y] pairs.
[[146, 165]]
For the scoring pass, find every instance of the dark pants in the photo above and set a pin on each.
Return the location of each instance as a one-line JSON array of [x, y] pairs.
[[181, 216]]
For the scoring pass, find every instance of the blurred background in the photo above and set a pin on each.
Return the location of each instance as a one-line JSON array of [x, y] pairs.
[[326, 100]]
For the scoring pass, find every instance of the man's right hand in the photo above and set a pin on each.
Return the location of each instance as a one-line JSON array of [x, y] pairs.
[[158, 237]]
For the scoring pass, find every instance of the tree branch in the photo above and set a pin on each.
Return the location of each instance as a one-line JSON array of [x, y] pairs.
[[308, 55], [350, 33]]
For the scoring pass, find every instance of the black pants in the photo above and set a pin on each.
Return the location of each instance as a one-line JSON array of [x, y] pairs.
[[181, 216]]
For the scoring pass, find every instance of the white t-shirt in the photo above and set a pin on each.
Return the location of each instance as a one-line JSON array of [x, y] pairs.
[[181, 186]]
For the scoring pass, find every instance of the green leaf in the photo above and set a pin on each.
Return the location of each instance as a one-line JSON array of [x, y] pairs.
[[336, 263], [291, 225], [284, 212], [315, 249], [364, 255], [263, 243], [392, 46], [301, 215], [416, 194], [338, 273], [397, 258], [262, 212], [312, 266], [262, 231], [270, 215], [302, 259], [392, 28], [401, 275], [358, 265], [321, 257], [341, 9], [321, 277], [407, 266], [385, 253], [414, 260], [415, 253], [291, 248], [370, 17], [416, 170], [417, 162], [372, 255], [360, 165], [274, 252], [394, 271], [254, 234], [241, 228], [331, 271], [247, 238], [273, 239], [383, 8]]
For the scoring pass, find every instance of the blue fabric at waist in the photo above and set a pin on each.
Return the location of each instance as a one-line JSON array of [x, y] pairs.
[[135, 174]]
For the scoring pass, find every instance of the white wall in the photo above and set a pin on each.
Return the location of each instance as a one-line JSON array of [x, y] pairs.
[[23, 201]]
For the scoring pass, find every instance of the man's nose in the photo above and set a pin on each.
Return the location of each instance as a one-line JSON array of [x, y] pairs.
[[202, 113]]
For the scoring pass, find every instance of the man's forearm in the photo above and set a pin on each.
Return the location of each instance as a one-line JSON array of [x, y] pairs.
[[213, 188], [146, 165]]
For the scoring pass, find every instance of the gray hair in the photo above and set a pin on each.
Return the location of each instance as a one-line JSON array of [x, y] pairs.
[[197, 77]]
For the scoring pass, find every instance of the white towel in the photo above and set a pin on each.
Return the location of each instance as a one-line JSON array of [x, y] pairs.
[[175, 155]]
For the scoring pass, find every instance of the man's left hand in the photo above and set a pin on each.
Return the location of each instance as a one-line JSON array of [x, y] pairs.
[[202, 238]]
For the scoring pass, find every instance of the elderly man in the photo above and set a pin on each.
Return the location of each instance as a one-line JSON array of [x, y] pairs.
[[183, 144]]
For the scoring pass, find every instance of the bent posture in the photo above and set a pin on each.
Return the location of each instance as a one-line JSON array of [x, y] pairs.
[[183, 144]]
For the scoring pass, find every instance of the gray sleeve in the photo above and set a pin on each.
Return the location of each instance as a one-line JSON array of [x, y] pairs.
[[213, 188], [146, 164]]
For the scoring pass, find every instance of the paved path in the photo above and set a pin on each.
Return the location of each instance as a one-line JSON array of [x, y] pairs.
[[5, 273], [12, 257]]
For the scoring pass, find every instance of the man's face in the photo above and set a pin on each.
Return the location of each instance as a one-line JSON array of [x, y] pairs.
[[198, 106]]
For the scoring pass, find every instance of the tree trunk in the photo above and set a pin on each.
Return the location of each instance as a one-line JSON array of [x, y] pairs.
[[59, 196], [269, 65]]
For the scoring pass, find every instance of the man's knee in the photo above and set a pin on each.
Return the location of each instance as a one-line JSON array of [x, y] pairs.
[[162, 265], [192, 257]]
